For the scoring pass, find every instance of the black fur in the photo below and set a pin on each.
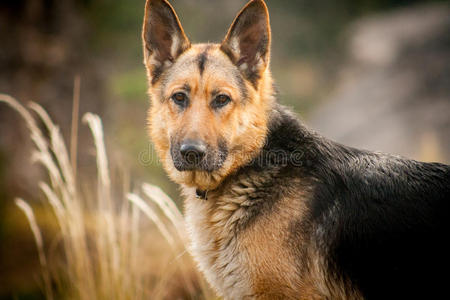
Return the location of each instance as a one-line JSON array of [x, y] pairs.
[[380, 221], [202, 58]]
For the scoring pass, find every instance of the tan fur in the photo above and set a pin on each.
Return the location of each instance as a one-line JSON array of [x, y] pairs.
[[238, 266], [318, 284], [270, 260], [256, 264], [236, 122]]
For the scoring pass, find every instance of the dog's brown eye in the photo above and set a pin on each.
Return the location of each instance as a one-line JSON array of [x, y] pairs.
[[180, 99], [220, 101]]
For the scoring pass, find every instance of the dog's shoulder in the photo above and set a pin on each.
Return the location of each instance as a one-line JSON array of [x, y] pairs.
[[363, 210]]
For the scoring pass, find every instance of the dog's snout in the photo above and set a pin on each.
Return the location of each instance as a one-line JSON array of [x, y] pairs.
[[193, 151], [197, 155]]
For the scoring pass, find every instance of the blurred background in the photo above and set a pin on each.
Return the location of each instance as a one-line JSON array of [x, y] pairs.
[[373, 74]]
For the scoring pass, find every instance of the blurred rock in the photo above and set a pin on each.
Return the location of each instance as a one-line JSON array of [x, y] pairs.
[[393, 94]]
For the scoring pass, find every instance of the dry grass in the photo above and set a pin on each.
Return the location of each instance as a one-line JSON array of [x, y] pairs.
[[108, 250]]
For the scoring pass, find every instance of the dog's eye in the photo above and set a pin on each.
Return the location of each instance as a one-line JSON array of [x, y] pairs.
[[220, 101], [180, 99]]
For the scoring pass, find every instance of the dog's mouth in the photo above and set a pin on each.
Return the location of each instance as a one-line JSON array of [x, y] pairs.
[[195, 156]]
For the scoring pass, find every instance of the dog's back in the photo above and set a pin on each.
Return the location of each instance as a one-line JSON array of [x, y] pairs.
[[381, 221]]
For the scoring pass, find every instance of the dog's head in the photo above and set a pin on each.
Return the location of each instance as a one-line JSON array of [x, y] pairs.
[[210, 102]]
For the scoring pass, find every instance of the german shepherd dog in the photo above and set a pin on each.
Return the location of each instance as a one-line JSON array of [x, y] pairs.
[[274, 210]]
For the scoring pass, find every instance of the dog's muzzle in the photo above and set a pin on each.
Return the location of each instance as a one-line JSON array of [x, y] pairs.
[[196, 155]]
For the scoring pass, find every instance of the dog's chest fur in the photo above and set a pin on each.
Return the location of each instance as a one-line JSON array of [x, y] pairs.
[[236, 244], [216, 248]]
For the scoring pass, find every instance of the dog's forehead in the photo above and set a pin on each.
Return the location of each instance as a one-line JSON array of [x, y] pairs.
[[203, 61]]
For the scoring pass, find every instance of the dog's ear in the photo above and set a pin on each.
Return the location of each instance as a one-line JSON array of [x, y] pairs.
[[163, 36], [248, 40]]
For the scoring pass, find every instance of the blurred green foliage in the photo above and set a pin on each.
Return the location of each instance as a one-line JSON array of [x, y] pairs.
[[130, 84]]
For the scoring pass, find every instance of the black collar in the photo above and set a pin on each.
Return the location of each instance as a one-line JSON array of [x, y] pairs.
[[201, 194]]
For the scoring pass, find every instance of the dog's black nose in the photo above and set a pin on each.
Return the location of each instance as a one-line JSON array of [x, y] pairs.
[[193, 151]]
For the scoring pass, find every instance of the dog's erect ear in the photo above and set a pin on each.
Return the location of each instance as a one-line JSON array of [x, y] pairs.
[[248, 40], [164, 38]]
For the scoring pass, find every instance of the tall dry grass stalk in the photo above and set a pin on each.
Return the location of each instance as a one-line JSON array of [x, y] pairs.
[[39, 244], [103, 238], [74, 127]]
